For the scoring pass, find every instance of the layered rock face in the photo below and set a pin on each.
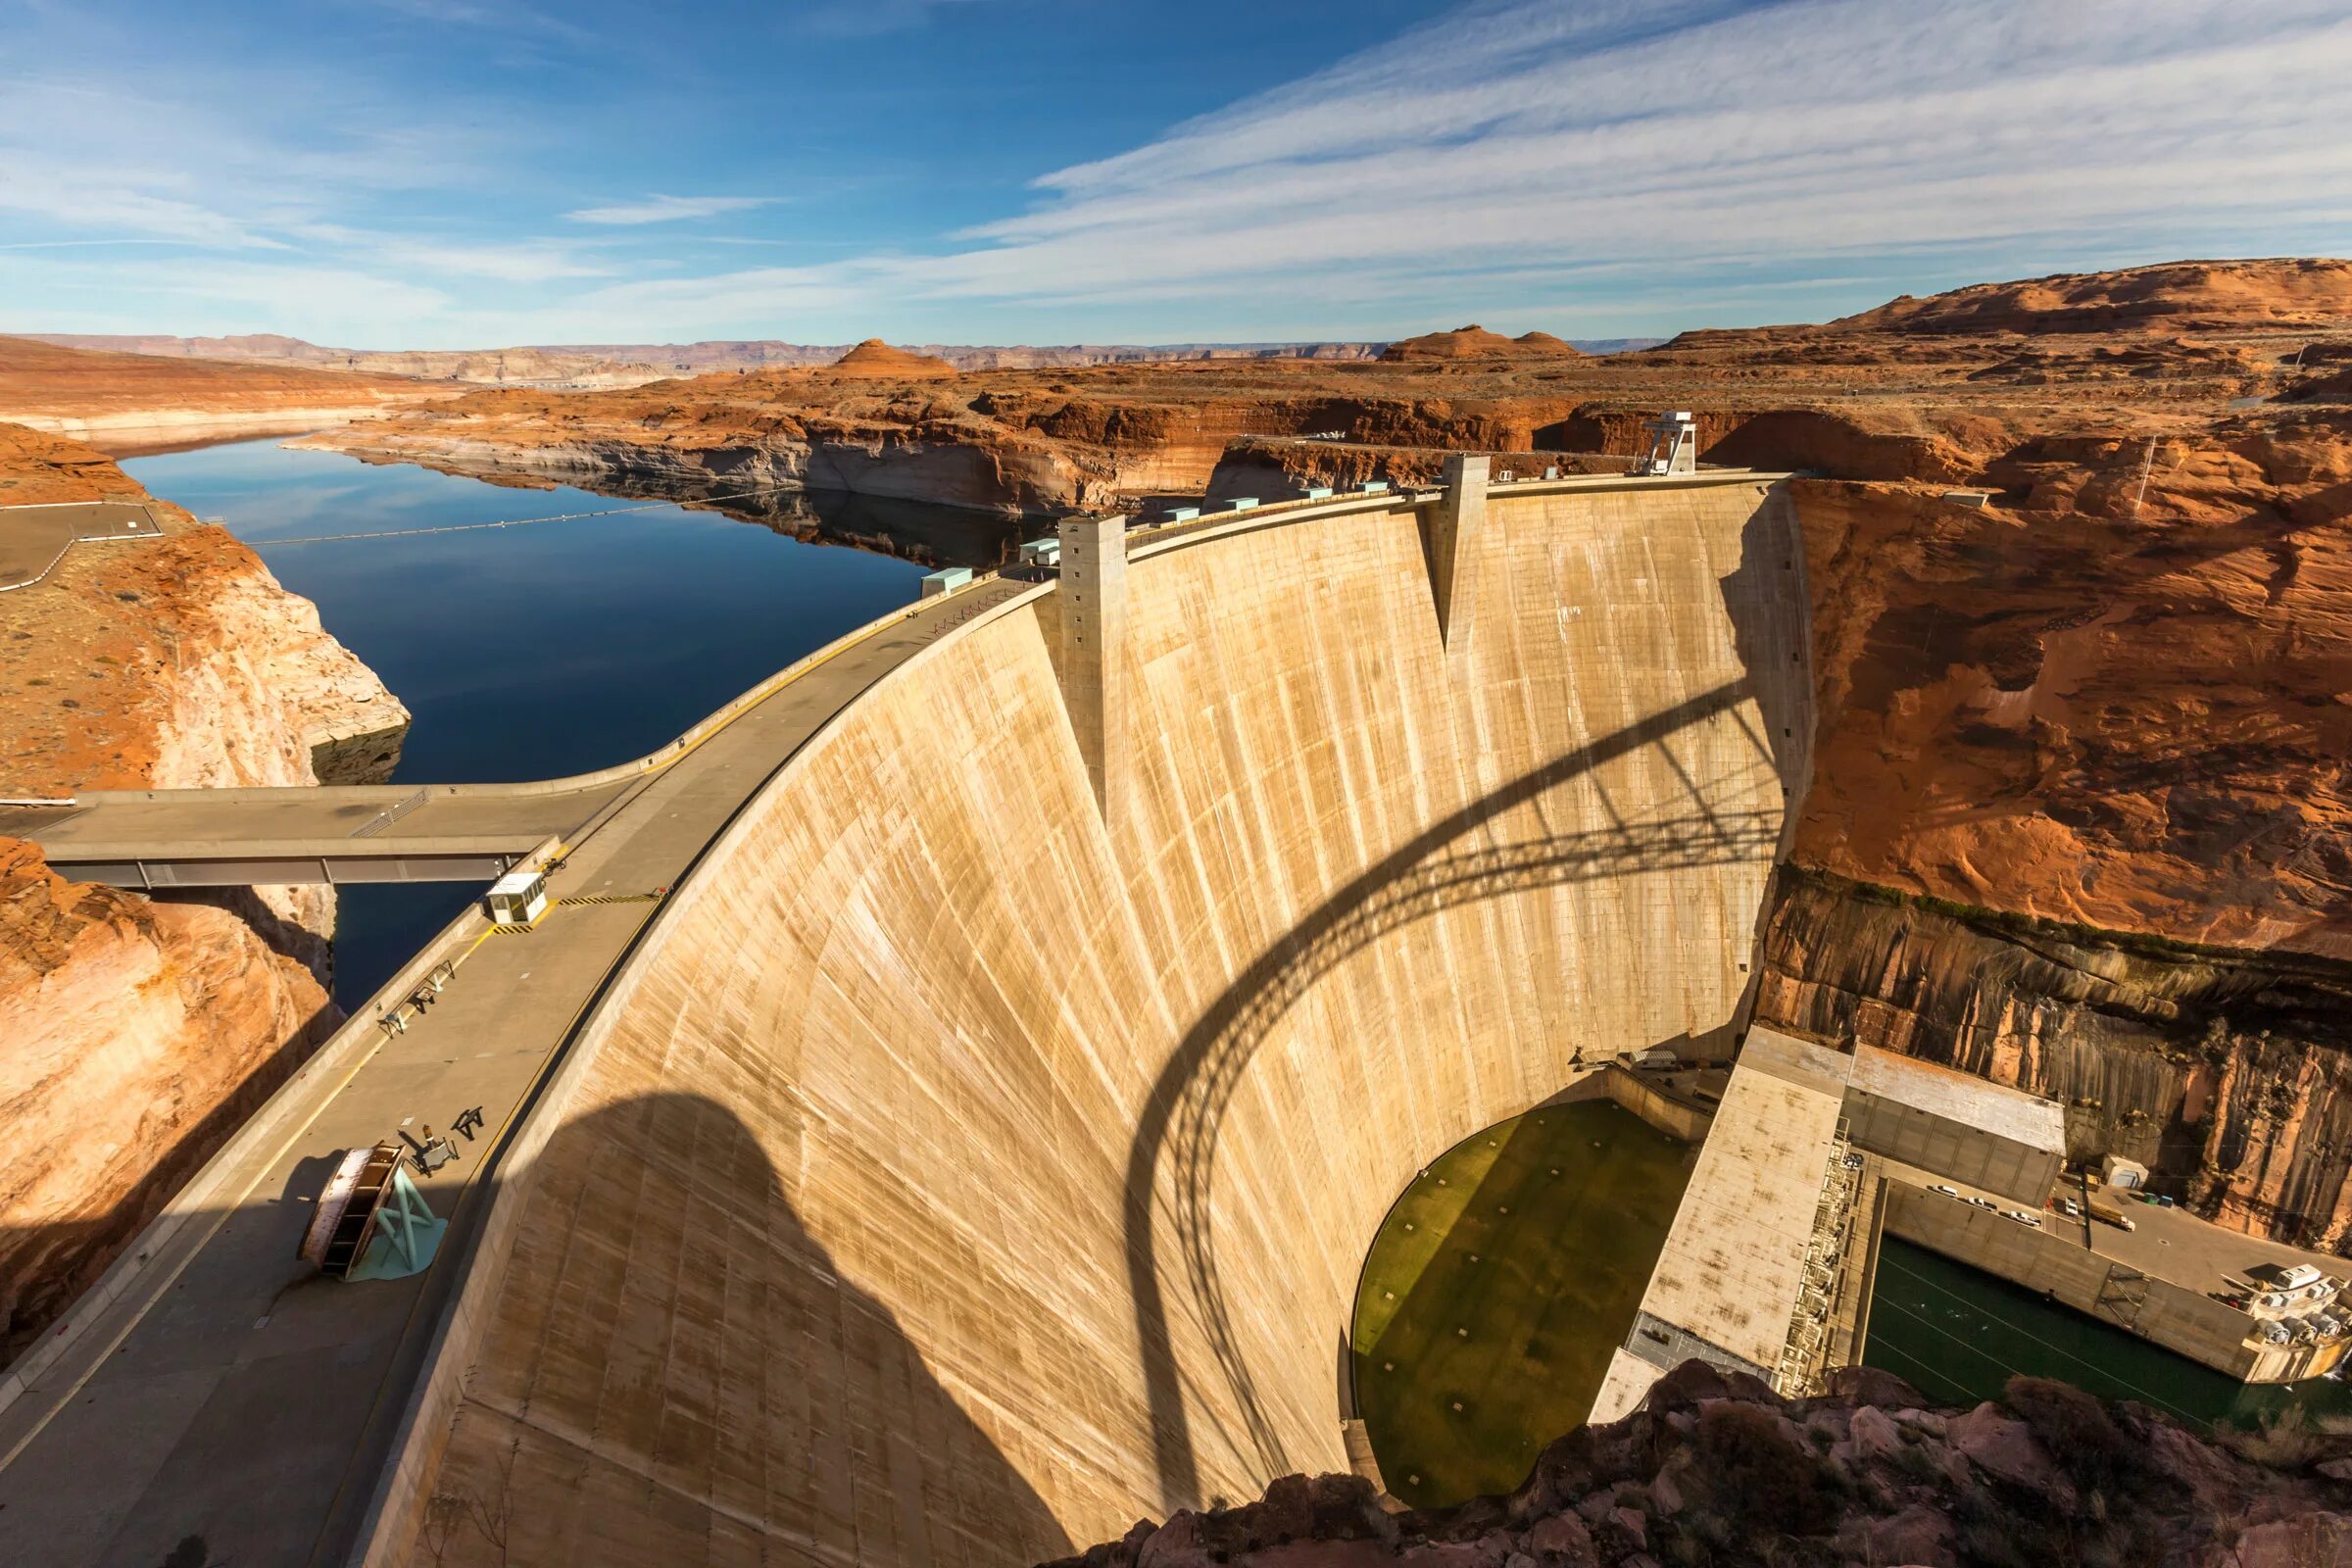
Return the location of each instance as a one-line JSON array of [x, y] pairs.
[[139, 1035], [2228, 1074], [2062, 708], [2119, 696], [1715, 1469], [140, 1032], [141, 397]]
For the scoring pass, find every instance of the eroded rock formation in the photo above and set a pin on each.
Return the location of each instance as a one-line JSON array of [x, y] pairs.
[[1715, 1469], [2228, 1073], [139, 1034]]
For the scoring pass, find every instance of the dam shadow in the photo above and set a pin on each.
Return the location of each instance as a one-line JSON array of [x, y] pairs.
[[693, 1371], [1456, 861], [804, 1398]]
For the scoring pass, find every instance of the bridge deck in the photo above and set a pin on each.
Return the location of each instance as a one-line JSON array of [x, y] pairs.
[[227, 1392], [356, 833]]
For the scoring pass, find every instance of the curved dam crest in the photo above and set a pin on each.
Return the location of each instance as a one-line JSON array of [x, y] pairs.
[[959, 1171]]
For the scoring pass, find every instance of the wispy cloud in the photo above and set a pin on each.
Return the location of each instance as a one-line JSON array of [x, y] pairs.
[[1671, 154], [1525, 132], [866, 19], [1536, 143], [666, 209]]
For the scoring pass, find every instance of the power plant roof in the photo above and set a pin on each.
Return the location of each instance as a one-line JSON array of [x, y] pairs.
[[1961, 1097]]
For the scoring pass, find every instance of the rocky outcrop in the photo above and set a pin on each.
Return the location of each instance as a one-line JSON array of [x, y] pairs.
[[876, 361], [2062, 708], [2228, 1073], [1475, 342], [1715, 1469], [140, 1032]]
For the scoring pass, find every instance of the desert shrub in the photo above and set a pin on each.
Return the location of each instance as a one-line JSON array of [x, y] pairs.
[[1759, 1478]]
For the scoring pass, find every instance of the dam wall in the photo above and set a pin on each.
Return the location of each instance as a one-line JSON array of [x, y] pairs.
[[973, 1160]]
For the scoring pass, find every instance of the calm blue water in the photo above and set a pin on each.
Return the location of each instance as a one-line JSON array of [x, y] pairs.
[[525, 653]]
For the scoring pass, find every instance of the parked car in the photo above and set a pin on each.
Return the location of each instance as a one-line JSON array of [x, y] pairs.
[[1948, 1192], [2070, 1208], [2024, 1218], [1985, 1202]]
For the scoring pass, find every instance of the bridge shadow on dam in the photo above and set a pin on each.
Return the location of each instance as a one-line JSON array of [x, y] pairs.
[[1456, 861], [1448, 866], [572, 1411]]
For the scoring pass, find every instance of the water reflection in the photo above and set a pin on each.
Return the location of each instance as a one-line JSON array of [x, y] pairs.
[[560, 647]]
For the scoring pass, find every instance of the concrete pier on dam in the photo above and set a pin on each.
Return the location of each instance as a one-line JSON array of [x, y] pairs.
[[978, 1152]]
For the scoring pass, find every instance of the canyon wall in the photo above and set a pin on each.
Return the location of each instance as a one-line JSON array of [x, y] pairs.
[[141, 399], [2228, 1073], [959, 1172], [2080, 821], [142, 1031], [139, 1034]]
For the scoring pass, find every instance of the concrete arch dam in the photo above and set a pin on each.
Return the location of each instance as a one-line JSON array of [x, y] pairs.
[[979, 1153]]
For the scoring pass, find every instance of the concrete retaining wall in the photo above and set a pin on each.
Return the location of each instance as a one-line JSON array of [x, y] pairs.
[[1667, 1114], [962, 1172], [2174, 1316]]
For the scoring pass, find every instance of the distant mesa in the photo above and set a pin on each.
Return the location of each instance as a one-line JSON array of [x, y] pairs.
[[2286, 292], [1477, 343], [876, 361]]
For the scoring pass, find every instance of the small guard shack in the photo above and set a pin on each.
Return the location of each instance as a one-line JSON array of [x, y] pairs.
[[519, 898]]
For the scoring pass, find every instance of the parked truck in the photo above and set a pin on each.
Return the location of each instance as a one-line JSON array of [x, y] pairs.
[[2109, 1213]]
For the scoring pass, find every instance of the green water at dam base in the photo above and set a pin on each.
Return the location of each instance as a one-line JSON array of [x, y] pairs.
[[1496, 1289], [1957, 1335]]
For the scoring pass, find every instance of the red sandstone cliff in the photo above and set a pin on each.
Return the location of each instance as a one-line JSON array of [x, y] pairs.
[[140, 1032]]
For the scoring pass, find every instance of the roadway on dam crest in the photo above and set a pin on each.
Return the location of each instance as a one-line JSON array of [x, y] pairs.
[[214, 1387]]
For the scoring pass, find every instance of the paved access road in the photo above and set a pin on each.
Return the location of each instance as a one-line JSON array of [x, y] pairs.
[[229, 1397]]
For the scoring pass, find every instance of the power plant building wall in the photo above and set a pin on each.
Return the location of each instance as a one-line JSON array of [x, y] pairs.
[[967, 1166]]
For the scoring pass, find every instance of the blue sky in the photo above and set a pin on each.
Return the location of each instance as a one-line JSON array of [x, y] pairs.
[[468, 173]]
